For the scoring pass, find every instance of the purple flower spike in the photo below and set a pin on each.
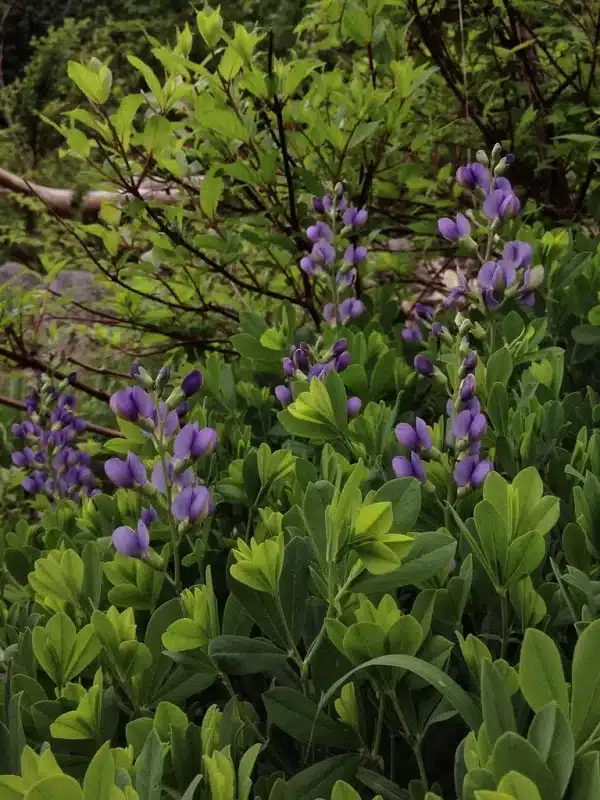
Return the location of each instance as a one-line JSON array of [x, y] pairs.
[[354, 254], [355, 216], [132, 543], [192, 504], [148, 516], [192, 382], [411, 467], [353, 406], [284, 395], [127, 473], [423, 365], [454, 230], [319, 231]]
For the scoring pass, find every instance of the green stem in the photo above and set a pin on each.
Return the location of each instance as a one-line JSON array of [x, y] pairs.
[[378, 727], [504, 616], [159, 440], [288, 635], [412, 741]]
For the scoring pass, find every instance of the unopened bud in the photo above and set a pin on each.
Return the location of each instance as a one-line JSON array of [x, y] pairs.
[[470, 244], [175, 398], [500, 167], [535, 278], [496, 151], [482, 158], [144, 379]]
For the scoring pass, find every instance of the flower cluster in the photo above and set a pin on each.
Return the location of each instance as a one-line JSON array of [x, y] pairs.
[[55, 464], [418, 441], [504, 274], [324, 257], [178, 446], [306, 362]]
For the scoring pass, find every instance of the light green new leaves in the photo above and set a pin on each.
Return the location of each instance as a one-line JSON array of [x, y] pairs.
[[201, 623], [57, 579], [61, 650], [84, 722], [259, 565], [311, 415]]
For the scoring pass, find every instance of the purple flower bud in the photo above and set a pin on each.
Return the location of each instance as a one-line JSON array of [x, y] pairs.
[[350, 309], [342, 361], [193, 442], [502, 202], [497, 275], [454, 230], [317, 205], [284, 395], [406, 435], [132, 543], [308, 265], [423, 365], [300, 359], [470, 470], [323, 252], [478, 427], [412, 333], [17, 431], [470, 361], [192, 382], [467, 388], [424, 313], [71, 378], [354, 254], [320, 231], [411, 467], [519, 254], [480, 473], [127, 473], [148, 516], [134, 369], [437, 329], [182, 409], [327, 203], [353, 406], [288, 367], [340, 346], [355, 216], [473, 175], [163, 373], [192, 504]]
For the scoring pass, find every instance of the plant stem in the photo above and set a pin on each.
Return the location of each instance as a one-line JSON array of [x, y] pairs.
[[378, 727], [411, 740], [504, 616], [159, 440]]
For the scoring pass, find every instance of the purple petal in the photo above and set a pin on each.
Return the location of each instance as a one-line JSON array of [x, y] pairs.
[[423, 365], [148, 516], [402, 467], [406, 435], [474, 406], [478, 426], [143, 536], [448, 229], [284, 395], [158, 476], [119, 473], [463, 226], [171, 423], [487, 275], [137, 469], [143, 402], [204, 443], [126, 541], [463, 470], [123, 405], [192, 382], [308, 265], [411, 333], [480, 473], [418, 467], [200, 503], [182, 503], [520, 253], [353, 406], [423, 435], [461, 424], [183, 441], [323, 252], [491, 205], [508, 271]]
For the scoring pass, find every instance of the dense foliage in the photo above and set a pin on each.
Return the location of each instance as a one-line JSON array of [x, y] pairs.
[[288, 511]]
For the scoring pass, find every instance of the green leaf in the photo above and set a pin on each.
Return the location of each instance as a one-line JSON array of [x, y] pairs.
[[210, 194], [451, 691], [293, 584], [405, 496], [540, 672], [374, 519], [494, 534], [237, 655], [585, 681], [225, 123], [586, 777], [430, 553], [55, 787], [586, 334], [513, 753], [497, 408], [318, 780], [301, 719], [364, 641], [247, 762], [524, 555], [100, 775], [499, 368], [550, 734], [519, 787], [498, 713], [263, 609], [149, 768], [183, 634], [16, 734]]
